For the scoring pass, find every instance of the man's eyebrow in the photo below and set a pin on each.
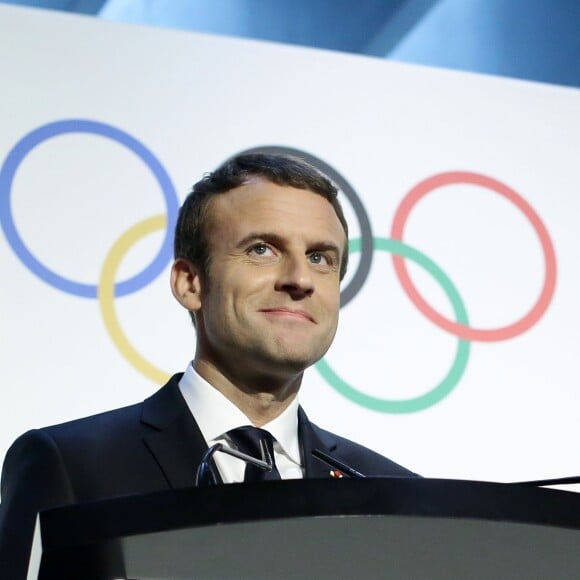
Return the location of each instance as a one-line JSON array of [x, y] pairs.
[[266, 236], [326, 247]]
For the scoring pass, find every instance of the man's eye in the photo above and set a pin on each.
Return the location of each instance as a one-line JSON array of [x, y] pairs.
[[318, 258], [260, 249]]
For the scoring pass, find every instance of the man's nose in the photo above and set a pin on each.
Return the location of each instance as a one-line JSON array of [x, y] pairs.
[[295, 277]]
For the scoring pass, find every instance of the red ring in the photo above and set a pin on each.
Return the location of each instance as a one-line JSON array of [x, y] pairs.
[[461, 330]]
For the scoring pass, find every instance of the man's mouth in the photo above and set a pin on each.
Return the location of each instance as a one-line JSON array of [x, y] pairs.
[[288, 312]]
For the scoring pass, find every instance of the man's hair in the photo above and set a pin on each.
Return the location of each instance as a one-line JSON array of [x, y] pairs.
[[191, 241]]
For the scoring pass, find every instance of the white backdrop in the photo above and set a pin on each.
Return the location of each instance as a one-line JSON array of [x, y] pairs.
[[68, 193]]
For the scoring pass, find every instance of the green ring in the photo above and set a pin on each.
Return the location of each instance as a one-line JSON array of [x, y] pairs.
[[452, 378]]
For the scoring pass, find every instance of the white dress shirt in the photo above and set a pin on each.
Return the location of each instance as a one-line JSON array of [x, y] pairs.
[[216, 415]]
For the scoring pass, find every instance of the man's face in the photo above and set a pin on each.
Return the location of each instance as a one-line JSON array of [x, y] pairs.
[[270, 303]]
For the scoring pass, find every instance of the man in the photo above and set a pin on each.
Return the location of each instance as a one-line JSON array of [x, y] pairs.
[[260, 249]]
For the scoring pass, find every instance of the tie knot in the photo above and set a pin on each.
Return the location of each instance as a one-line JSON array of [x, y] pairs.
[[248, 440]]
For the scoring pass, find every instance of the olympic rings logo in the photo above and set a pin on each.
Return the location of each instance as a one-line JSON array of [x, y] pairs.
[[107, 289]]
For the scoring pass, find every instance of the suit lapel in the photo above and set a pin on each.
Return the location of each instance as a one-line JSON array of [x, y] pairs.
[[175, 440], [311, 437], [172, 435]]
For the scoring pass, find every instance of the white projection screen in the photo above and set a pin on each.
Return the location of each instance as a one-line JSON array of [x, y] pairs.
[[458, 348]]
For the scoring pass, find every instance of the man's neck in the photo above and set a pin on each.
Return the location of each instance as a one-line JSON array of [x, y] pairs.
[[260, 404]]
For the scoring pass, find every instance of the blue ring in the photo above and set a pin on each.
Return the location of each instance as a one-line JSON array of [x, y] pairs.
[[34, 138]]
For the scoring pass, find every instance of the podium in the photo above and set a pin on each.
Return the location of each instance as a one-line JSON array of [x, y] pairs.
[[324, 529]]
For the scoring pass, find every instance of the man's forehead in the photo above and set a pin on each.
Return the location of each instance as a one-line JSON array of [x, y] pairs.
[[260, 193], [262, 204]]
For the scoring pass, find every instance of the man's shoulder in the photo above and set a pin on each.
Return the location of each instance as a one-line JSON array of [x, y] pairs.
[[82, 438], [106, 421], [360, 457], [114, 424]]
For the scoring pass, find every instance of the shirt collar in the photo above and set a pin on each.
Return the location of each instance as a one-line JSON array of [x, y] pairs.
[[215, 414]]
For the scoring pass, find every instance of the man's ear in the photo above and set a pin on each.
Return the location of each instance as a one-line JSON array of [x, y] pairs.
[[186, 284]]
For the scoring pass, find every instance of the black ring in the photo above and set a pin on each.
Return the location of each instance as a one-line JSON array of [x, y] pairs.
[[366, 234]]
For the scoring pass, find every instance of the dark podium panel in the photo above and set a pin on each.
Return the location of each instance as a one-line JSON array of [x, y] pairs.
[[323, 529]]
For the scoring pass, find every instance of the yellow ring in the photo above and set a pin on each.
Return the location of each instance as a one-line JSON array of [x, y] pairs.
[[106, 295]]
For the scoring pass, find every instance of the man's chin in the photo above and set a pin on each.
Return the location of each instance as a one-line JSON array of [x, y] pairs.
[[294, 362]]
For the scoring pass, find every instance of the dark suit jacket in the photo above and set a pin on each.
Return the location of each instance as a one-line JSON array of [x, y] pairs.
[[152, 446]]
